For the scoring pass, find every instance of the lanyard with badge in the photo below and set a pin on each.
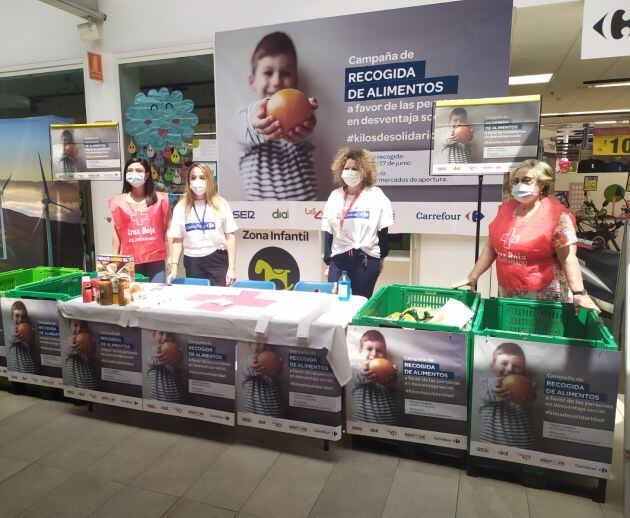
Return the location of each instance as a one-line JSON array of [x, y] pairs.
[[201, 220], [345, 212]]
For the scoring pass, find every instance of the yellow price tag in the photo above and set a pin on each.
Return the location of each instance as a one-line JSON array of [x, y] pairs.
[[611, 141]]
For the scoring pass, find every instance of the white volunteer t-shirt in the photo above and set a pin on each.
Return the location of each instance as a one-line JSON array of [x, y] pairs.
[[371, 212], [202, 235]]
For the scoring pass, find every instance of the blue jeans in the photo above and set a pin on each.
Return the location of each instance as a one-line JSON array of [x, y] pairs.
[[362, 269]]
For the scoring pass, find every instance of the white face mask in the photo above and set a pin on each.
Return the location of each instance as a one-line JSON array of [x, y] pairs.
[[523, 193], [198, 186], [135, 179], [351, 177]]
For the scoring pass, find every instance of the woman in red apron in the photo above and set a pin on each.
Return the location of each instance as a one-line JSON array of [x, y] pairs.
[[141, 217], [532, 240]]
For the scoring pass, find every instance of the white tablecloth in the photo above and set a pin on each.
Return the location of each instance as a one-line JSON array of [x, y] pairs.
[[289, 318]]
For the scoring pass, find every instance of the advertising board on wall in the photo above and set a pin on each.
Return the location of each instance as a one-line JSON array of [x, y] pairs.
[[543, 404], [85, 151], [283, 257], [376, 90], [484, 136]]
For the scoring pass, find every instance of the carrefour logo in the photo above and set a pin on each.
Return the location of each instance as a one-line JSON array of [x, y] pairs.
[[615, 26], [438, 216]]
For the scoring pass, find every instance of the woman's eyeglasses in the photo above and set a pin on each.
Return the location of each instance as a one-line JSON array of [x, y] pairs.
[[526, 180]]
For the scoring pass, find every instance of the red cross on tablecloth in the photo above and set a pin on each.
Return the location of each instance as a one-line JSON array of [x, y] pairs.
[[140, 217], [510, 237], [245, 298]]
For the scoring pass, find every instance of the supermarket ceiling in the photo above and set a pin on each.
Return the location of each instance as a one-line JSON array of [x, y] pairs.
[[548, 39]]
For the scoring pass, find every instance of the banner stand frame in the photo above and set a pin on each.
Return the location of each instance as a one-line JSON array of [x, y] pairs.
[[478, 217]]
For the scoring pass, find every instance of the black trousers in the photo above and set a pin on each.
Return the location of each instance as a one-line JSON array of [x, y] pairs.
[[362, 269], [152, 269], [213, 267]]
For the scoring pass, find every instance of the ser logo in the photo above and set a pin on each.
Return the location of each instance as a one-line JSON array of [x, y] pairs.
[[244, 214], [612, 25]]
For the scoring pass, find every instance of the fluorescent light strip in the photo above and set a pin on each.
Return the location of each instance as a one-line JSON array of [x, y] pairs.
[[598, 112], [607, 85], [530, 79]]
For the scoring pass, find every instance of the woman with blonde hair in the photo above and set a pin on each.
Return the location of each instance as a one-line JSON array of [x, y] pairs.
[[355, 221], [204, 227], [533, 242]]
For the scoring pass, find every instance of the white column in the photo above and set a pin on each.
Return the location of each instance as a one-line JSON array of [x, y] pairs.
[[102, 103]]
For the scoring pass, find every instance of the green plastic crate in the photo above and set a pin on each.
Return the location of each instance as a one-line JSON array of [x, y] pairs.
[[537, 321], [16, 278], [63, 288], [398, 297]]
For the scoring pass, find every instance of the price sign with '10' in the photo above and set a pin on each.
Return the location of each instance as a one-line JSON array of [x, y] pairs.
[[611, 141]]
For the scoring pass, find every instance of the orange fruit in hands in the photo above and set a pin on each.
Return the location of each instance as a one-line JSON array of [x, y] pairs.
[[172, 353], [85, 343], [26, 331], [291, 107], [463, 133], [518, 385], [270, 363], [382, 369]]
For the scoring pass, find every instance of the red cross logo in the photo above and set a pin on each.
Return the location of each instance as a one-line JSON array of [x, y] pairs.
[[139, 218], [245, 298], [509, 238]]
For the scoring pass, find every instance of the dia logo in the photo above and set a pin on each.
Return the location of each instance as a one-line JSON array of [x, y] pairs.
[[279, 214]]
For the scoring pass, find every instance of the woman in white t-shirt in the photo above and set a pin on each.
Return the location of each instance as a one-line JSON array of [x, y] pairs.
[[204, 227], [355, 221]]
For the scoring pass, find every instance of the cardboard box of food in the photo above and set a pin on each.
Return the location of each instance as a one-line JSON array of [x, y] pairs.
[[116, 265]]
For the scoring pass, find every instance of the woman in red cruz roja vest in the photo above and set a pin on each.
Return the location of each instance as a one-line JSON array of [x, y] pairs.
[[533, 242], [141, 218]]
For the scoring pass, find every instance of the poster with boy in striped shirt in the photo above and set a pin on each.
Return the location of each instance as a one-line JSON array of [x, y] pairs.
[[31, 337], [408, 385], [289, 389], [543, 404], [188, 376], [101, 363]]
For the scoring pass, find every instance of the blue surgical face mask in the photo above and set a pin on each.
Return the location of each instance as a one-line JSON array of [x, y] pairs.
[[135, 178], [523, 193]]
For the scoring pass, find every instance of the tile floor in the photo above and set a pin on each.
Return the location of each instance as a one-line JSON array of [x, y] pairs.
[[58, 460]]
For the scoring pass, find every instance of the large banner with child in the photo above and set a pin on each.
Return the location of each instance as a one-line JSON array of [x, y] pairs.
[[285, 105], [408, 385], [189, 376], [545, 405], [288, 389], [31, 337]]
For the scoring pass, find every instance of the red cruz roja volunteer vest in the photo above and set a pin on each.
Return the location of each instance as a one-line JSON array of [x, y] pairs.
[[141, 232], [524, 247]]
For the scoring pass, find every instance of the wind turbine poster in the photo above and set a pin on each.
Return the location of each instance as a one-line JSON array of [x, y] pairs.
[[34, 213]]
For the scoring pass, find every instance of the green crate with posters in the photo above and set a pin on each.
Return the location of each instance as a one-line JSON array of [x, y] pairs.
[[15, 278], [544, 386], [550, 322], [398, 297], [63, 288], [410, 378]]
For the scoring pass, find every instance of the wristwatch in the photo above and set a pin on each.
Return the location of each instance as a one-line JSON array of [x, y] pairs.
[[582, 292]]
